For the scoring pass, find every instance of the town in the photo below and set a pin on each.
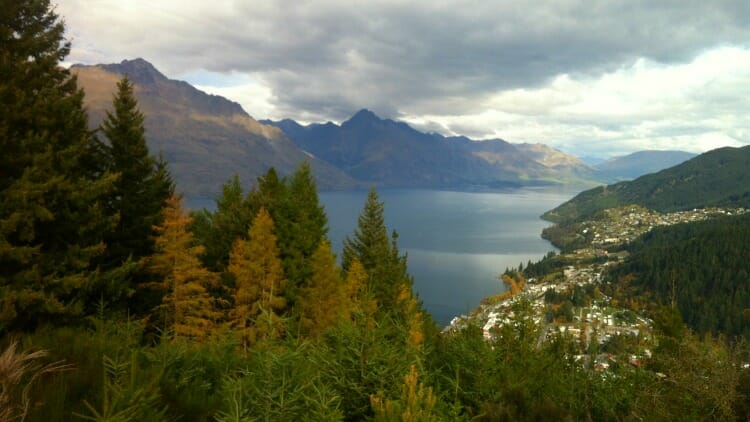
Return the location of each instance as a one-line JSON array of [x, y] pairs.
[[566, 300]]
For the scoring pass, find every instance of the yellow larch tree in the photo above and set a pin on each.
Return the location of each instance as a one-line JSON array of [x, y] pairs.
[[325, 301], [417, 403], [413, 318], [362, 306], [260, 282], [187, 306]]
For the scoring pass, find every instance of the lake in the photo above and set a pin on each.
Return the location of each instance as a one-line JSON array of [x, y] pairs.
[[457, 242]]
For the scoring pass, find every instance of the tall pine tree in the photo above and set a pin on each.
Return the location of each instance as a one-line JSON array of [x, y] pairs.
[[302, 228], [300, 221], [144, 183], [379, 255], [52, 190], [219, 229]]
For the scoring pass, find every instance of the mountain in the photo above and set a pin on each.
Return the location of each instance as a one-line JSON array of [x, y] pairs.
[[205, 138], [592, 160], [637, 164], [391, 153], [716, 178]]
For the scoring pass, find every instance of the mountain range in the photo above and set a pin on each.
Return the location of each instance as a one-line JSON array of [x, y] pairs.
[[631, 166], [207, 139], [390, 153], [720, 177]]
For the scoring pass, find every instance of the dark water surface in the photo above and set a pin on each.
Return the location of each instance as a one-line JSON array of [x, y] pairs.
[[457, 242]]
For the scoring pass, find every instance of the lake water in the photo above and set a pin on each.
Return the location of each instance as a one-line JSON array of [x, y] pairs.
[[457, 242]]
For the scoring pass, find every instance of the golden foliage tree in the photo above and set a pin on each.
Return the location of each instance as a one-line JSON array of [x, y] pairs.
[[361, 305], [260, 282], [189, 308], [325, 301], [417, 403], [413, 318]]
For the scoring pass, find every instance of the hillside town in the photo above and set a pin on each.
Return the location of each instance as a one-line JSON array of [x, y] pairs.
[[569, 302]]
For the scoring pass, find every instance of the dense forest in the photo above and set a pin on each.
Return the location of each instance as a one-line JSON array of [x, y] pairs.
[[116, 304], [702, 268]]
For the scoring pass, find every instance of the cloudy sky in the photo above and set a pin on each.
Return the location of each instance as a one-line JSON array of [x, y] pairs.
[[593, 78]]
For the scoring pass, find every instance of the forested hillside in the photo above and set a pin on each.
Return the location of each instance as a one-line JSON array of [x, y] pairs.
[[118, 305], [701, 268], [717, 178]]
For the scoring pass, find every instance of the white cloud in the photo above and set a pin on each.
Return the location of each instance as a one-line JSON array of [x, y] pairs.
[[694, 106], [255, 98]]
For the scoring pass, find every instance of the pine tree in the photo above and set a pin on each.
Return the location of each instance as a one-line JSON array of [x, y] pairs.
[[218, 230], [189, 309], [270, 193], [306, 226], [300, 220], [144, 183], [52, 190], [326, 300], [379, 255], [260, 283]]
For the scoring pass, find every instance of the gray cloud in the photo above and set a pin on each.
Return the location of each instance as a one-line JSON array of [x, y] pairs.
[[328, 57], [324, 59]]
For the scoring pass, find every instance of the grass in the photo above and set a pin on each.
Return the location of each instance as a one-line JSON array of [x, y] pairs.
[[19, 370]]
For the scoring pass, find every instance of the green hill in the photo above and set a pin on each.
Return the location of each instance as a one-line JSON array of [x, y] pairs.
[[717, 178], [632, 166], [702, 267]]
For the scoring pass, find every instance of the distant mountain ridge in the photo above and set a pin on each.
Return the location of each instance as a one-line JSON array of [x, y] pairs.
[[391, 153], [205, 138], [720, 177], [634, 165]]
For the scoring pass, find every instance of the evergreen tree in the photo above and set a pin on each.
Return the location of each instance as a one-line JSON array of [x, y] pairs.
[[52, 192], [188, 308], [300, 221], [379, 255], [305, 227], [218, 230], [270, 193], [144, 183], [260, 282]]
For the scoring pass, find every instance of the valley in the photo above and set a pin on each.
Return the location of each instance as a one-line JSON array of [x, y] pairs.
[[317, 284]]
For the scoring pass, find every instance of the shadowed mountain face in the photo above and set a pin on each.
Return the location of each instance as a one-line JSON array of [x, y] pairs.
[[205, 138], [639, 163], [390, 153], [717, 178]]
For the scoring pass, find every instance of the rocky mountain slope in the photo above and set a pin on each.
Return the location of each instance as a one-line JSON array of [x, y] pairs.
[[205, 138]]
